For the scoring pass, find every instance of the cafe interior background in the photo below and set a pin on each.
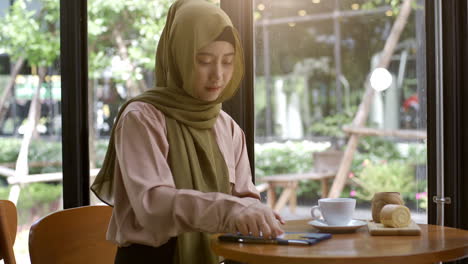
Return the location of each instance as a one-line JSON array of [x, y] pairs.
[[66, 66]]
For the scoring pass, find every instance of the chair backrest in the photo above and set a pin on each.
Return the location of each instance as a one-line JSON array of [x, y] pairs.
[[328, 160], [8, 225], [76, 235]]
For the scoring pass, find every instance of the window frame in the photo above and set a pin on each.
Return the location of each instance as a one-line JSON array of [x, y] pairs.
[[242, 103], [74, 77], [455, 81]]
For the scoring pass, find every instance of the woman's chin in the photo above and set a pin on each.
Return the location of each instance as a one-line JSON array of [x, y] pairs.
[[210, 96], [210, 99]]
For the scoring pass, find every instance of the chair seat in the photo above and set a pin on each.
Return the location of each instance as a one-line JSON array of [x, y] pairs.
[[8, 225], [72, 236]]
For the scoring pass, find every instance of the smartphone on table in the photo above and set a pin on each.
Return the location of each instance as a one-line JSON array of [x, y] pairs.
[[288, 238]]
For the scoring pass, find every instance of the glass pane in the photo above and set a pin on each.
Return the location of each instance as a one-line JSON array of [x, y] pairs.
[[314, 59], [30, 112], [122, 38]]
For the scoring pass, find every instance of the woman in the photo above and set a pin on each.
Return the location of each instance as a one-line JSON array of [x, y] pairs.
[[177, 167]]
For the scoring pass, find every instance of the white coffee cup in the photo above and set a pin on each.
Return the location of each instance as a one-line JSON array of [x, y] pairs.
[[335, 211]]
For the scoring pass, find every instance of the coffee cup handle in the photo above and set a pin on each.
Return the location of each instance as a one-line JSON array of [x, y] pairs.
[[316, 209]]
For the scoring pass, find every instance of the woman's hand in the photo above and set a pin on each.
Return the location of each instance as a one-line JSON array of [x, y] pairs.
[[258, 220]]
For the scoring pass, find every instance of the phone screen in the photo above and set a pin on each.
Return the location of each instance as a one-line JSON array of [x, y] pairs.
[[303, 235]]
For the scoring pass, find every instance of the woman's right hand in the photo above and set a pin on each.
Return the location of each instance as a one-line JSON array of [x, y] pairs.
[[258, 220]]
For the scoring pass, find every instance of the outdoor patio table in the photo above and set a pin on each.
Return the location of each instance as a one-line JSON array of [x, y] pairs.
[[436, 243]]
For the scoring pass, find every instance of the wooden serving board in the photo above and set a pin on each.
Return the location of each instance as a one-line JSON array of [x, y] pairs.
[[377, 229]]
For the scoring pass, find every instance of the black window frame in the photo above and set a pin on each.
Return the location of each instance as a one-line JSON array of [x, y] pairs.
[[74, 77], [455, 81], [242, 103]]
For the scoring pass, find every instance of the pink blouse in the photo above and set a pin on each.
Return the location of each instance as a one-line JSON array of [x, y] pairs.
[[148, 209]]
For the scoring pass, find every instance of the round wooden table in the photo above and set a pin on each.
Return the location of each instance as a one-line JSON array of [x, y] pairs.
[[435, 244]]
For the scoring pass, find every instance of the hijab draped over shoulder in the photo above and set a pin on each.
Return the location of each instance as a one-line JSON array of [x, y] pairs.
[[194, 156]]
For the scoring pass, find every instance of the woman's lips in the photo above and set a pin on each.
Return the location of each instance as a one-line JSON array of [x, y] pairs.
[[213, 89]]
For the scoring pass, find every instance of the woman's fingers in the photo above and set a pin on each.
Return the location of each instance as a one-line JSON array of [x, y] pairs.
[[259, 220], [275, 228], [242, 228], [279, 218], [253, 228], [265, 228]]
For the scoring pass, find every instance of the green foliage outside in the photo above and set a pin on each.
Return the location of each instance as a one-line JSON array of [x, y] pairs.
[[379, 163], [120, 33], [375, 150], [37, 199], [385, 177], [289, 157], [332, 125], [34, 35], [124, 34], [39, 151], [395, 4]]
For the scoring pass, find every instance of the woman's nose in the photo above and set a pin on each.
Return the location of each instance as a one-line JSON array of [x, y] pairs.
[[217, 72]]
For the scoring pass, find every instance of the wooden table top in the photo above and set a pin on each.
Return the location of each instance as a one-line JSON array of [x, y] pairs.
[[435, 243]]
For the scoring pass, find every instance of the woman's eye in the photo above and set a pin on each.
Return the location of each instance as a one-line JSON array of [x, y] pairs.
[[228, 62], [204, 62]]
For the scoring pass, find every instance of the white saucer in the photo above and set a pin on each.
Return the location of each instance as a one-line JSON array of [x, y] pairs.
[[352, 226]]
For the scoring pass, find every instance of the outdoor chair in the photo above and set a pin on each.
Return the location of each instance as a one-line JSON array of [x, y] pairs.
[[72, 236], [326, 165], [8, 225]]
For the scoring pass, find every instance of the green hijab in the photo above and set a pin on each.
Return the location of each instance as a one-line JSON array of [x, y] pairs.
[[194, 156]]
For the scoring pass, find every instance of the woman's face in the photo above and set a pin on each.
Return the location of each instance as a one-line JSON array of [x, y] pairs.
[[214, 65]]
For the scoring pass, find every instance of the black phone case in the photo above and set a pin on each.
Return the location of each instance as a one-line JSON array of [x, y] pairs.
[[310, 238]]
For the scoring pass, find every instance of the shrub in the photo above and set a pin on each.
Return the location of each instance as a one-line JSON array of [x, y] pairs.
[[386, 177], [379, 162], [42, 150], [38, 199], [35, 200], [39, 150], [9, 149], [331, 125], [289, 157]]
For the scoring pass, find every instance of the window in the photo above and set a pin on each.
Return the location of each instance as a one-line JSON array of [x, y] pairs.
[[30, 112], [122, 39], [314, 61]]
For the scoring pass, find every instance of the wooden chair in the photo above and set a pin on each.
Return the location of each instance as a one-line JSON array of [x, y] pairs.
[[72, 236], [326, 165], [8, 225]]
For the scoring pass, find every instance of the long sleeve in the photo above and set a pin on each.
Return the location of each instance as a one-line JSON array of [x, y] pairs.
[[244, 186], [148, 209], [233, 145]]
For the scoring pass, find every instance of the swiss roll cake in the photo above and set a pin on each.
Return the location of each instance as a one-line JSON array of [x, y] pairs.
[[395, 215]]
